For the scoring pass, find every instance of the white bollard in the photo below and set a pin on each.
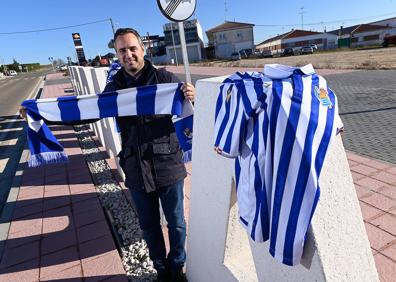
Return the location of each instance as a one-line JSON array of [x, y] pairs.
[[219, 249]]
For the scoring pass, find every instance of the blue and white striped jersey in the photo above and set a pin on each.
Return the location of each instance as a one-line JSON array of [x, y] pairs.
[[278, 125]]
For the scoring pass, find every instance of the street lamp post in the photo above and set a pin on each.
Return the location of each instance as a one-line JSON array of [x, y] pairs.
[[112, 25], [51, 59], [173, 40]]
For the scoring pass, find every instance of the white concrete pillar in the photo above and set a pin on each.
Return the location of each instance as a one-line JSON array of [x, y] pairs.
[[337, 247], [76, 81], [90, 81], [109, 138]]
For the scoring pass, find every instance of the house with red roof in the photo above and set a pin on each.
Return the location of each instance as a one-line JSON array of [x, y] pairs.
[[230, 37], [362, 35], [297, 38]]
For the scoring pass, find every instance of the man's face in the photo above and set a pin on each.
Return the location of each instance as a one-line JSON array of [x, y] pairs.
[[130, 53]]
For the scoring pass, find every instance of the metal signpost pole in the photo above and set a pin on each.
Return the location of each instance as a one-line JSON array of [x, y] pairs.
[[179, 11], [184, 52]]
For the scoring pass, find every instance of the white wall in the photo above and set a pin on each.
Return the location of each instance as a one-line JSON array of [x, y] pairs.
[[193, 51], [93, 80], [381, 34], [337, 247]]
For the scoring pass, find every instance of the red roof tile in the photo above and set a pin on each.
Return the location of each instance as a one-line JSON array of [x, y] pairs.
[[291, 34], [229, 25]]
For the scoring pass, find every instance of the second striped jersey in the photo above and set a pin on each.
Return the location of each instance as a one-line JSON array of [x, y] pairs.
[[278, 126]]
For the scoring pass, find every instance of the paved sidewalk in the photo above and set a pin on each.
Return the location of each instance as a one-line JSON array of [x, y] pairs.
[[58, 229], [375, 184]]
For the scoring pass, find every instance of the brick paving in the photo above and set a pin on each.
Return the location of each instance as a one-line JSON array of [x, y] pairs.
[[58, 229], [375, 183]]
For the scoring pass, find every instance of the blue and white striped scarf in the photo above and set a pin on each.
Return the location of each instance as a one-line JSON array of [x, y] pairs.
[[147, 100]]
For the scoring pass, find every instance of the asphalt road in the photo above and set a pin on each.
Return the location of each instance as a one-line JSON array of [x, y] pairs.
[[13, 90], [367, 106]]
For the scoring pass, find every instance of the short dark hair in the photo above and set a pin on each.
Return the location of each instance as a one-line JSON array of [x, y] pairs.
[[123, 31]]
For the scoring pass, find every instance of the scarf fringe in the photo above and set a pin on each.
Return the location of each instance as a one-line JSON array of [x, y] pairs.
[[187, 156], [47, 158]]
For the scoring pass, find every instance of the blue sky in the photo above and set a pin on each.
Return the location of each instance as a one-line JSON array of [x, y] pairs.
[[18, 15]]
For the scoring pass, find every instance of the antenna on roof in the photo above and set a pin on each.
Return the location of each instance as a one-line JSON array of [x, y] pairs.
[[302, 17], [225, 10]]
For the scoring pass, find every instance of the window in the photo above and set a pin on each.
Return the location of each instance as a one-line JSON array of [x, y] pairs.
[[222, 36], [371, 37]]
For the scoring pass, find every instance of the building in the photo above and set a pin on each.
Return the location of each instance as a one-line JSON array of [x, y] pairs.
[[362, 35], [297, 38], [386, 22], [194, 41], [230, 37], [154, 45]]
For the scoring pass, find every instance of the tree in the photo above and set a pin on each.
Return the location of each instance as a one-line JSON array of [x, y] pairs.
[[59, 62], [14, 66]]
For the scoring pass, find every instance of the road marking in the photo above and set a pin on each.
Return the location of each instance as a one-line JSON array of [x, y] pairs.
[[3, 164]]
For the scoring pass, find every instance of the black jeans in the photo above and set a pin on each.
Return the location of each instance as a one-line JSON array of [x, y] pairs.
[[147, 205]]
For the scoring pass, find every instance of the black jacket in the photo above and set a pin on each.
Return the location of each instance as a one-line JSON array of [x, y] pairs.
[[151, 156]]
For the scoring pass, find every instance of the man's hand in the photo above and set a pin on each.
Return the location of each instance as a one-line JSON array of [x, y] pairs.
[[22, 112], [189, 91]]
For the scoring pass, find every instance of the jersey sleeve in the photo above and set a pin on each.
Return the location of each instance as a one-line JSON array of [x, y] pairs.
[[230, 120]]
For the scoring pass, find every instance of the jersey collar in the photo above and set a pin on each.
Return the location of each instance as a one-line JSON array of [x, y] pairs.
[[279, 71]]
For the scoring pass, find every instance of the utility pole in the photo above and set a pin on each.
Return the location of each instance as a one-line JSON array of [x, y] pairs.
[[112, 25], [149, 47], [302, 17]]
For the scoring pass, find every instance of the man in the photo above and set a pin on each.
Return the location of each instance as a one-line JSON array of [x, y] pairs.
[[151, 159]]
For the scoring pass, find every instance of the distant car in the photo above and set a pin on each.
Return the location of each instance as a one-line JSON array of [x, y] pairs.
[[389, 40], [63, 68], [266, 53], [256, 54], [289, 52], [314, 46], [235, 56], [12, 73], [307, 50], [246, 53]]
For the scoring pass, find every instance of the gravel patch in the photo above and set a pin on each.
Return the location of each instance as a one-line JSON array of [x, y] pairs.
[[133, 248]]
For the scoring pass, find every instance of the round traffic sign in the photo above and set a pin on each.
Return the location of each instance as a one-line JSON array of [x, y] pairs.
[[177, 10]]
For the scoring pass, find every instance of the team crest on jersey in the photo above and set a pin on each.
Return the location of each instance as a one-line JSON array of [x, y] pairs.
[[228, 97], [188, 133], [323, 97]]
